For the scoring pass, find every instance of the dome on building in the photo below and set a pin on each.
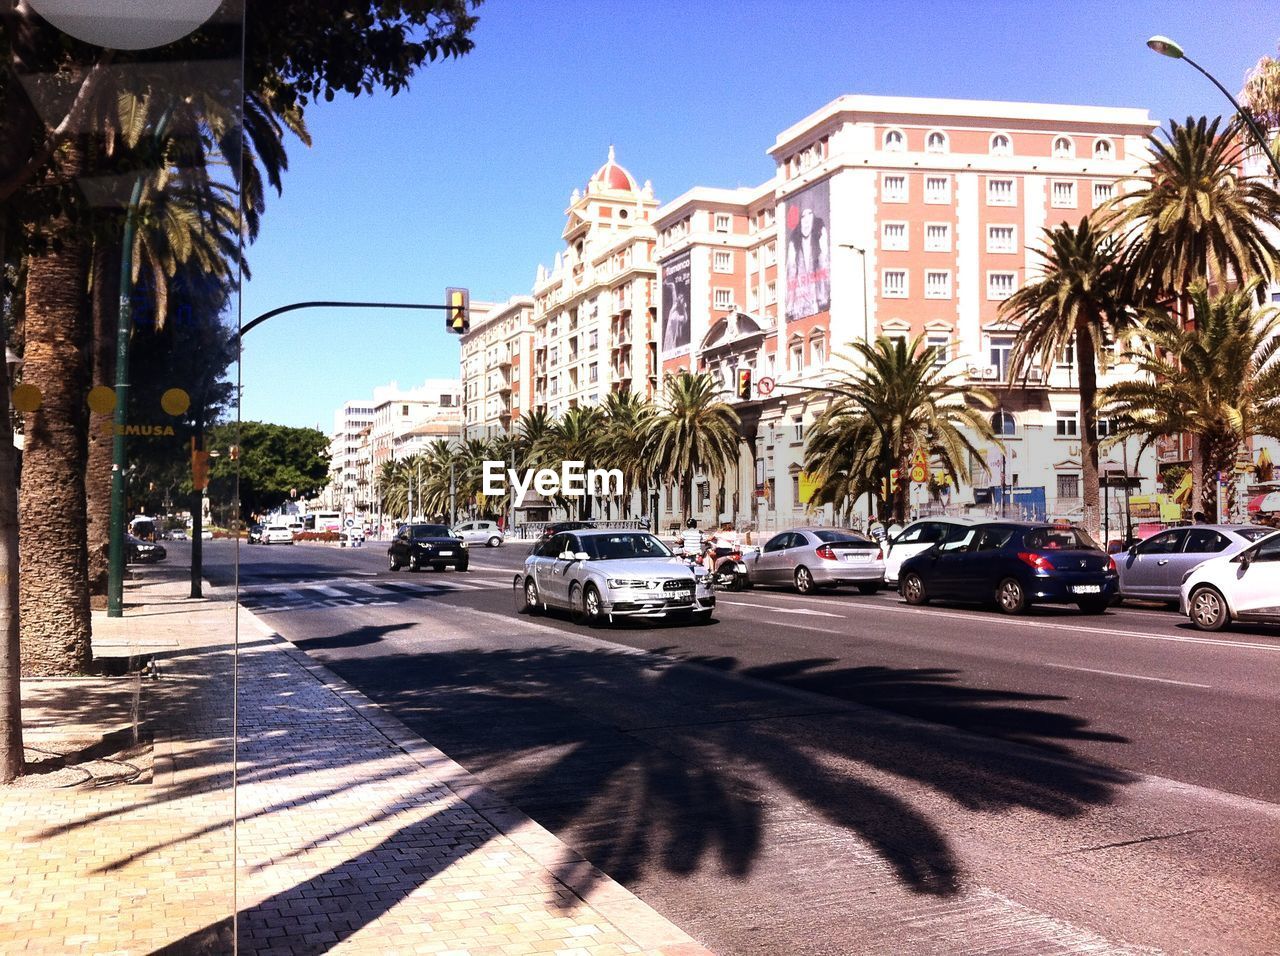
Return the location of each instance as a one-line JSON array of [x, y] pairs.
[[613, 176]]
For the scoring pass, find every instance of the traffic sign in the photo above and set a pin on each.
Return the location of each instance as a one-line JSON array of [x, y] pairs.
[[351, 522], [920, 461], [919, 474], [765, 385]]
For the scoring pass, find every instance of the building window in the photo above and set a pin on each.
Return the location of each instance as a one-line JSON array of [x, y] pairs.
[[937, 237], [795, 355], [894, 188], [770, 254], [1067, 357], [1004, 425], [723, 261], [1002, 238], [593, 341], [1068, 425], [1000, 284], [936, 142], [553, 357], [753, 260], [1001, 351], [1068, 486], [939, 343], [1105, 427], [797, 431], [724, 298], [723, 222], [593, 372], [1102, 149], [1064, 194], [1063, 148], [1102, 192], [771, 293], [893, 235], [753, 299], [894, 141], [895, 284], [1000, 192], [937, 284], [1001, 145], [817, 351], [937, 189]]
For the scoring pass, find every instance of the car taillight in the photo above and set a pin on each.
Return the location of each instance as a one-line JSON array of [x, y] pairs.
[[1037, 561], [1111, 565], [826, 553], [879, 555]]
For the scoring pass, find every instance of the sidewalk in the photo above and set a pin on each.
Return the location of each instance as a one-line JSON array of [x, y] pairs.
[[354, 835]]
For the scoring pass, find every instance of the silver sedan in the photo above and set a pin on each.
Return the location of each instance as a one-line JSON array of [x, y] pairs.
[[813, 558], [1154, 569], [603, 575]]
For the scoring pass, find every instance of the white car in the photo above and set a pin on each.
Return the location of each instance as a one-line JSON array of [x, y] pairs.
[[916, 538], [1242, 587], [480, 532], [277, 534]]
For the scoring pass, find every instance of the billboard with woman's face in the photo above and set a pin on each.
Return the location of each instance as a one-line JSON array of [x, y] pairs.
[[675, 305], [808, 288]]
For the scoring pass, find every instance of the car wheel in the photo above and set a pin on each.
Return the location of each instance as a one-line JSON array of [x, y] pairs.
[[913, 590], [804, 580], [393, 563], [495, 541], [1011, 597], [592, 605], [413, 563], [463, 566], [531, 597], [1094, 606], [868, 588], [577, 611], [1208, 609]]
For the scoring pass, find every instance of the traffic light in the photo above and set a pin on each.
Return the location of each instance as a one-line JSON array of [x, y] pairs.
[[891, 485], [744, 384], [458, 315]]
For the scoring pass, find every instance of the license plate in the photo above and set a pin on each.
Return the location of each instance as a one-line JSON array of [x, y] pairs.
[[1086, 589], [856, 557], [681, 595], [445, 554]]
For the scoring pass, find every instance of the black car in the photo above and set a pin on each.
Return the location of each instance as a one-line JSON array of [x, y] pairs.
[[560, 526], [1014, 565], [143, 552], [255, 534], [427, 545]]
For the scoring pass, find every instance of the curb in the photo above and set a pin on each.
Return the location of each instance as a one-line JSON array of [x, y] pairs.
[[634, 918]]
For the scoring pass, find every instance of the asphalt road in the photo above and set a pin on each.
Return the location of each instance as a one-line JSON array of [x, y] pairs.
[[840, 773]]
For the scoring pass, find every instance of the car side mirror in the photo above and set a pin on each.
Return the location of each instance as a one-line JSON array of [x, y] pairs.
[[565, 556], [581, 556]]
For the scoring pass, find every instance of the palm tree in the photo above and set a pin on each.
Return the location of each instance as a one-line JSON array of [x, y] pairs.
[[572, 437], [894, 400], [627, 418], [529, 436], [694, 430], [1220, 381], [1080, 300], [1261, 97]]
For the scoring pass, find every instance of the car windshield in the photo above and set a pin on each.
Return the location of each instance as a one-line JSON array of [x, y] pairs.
[[830, 536], [627, 544], [1058, 539], [1254, 534], [429, 531]]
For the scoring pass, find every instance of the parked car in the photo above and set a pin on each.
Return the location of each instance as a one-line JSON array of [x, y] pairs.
[[277, 534], [143, 552], [601, 575], [917, 537], [1014, 564], [427, 545], [178, 534], [813, 558], [206, 534], [559, 526], [480, 532], [1242, 587], [255, 534], [1154, 569]]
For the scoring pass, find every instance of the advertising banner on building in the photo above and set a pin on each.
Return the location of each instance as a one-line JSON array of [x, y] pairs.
[[675, 306], [808, 252]]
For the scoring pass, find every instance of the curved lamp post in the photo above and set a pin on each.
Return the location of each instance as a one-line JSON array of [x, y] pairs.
[[126, 24], [1166, 47]]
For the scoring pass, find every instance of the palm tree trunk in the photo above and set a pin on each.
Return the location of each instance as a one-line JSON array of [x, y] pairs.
[[1089, 432], [11, 754], [106, 306], [53, 574]]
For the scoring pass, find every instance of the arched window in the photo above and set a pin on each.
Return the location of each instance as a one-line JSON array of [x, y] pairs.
[[936, 142], [1062, 148], [894, 141], [1102, 149], [1003, 424], [1001, 145]]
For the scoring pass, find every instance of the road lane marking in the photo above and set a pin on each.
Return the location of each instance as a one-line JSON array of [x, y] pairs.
[[781, 610], [1094, 670]]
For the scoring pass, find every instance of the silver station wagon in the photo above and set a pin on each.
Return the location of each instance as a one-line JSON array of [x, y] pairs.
[[600, 575]]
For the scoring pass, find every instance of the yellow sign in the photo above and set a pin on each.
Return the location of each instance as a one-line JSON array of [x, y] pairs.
[[102, 399], [175, 402], [920, 461], [808, 485], [26, 398], [1155, 508], [918, 473]]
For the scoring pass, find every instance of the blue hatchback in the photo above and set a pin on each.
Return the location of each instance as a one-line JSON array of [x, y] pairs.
[[1015, 564]]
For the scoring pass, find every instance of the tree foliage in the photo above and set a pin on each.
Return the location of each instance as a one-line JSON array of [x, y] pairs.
[[275, 461]]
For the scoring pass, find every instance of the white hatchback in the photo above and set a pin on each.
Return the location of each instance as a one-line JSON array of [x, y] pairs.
[[1242, 587], [916, 538], [277, 534]]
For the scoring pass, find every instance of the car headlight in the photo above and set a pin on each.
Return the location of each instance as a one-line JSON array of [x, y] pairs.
[[463, 545], [630, 583]]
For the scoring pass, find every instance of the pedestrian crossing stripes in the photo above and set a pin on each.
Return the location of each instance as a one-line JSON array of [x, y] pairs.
[[346, 592]]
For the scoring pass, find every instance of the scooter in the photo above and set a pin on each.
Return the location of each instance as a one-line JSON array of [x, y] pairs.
[[730, 572]]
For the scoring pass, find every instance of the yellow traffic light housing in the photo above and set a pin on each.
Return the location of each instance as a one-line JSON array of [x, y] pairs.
[[458, 314], [744, 384]]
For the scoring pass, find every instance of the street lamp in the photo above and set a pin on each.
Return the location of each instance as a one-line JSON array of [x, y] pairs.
[[866, 312], [1166, 47]]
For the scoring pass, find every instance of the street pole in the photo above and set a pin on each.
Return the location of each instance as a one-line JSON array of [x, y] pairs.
[[453, 504], [1128, 516]]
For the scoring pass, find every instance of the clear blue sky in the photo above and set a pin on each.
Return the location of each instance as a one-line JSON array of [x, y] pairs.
[[463, 180]]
